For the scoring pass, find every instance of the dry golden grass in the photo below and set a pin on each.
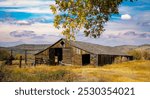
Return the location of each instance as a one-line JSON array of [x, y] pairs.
[[134, 71]]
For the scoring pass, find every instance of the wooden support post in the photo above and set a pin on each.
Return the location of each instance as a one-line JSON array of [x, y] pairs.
[[26, 57], [35, 62], [11, 53], [20, 62], [11, 57]]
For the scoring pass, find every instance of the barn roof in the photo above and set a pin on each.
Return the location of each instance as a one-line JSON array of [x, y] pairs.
[[97, 49], [92, 48]]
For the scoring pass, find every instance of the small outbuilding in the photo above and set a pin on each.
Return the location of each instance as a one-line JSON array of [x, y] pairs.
[[78, 53]]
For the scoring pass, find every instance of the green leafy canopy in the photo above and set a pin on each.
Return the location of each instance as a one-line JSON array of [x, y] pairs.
[[90, 15]]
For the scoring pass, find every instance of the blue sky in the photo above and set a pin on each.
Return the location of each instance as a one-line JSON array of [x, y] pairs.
[[31, 21]]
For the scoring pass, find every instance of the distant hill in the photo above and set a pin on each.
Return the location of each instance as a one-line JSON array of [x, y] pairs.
[[3, 48], [31, 48], [34, 48], [144, 47], [126, 48]]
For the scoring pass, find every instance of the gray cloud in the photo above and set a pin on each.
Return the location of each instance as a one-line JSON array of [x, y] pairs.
[[147, 24], [24, 33], [130, 34], [143, 21], [29, 34], [133, 34], [12, 21], [9, 20]]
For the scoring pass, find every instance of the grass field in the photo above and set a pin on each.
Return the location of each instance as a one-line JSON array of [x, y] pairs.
[[134, 71]]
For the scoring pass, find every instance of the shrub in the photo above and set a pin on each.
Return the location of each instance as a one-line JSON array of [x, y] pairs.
[[2, 70], [30, 75], [140, 54], [57, 75], [1, 74], [70, 77], [117, 60], [120, 59], [4, 55]]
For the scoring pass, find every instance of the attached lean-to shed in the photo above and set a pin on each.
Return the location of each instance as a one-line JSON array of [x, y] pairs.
[[78, 53]]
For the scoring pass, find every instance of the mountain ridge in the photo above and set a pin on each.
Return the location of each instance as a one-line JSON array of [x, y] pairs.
[[34, 48]]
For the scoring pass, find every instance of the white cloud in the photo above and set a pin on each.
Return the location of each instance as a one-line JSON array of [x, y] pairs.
[[125, 9], [25, 3], [41, 9], [29, 6], [22, 22], [126, 17]]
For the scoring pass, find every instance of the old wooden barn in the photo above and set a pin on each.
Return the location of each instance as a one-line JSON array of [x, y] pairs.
[[78, 53]]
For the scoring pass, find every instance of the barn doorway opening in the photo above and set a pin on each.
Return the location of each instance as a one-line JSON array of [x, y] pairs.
[[55, 56], [86, 59], [58, 55]]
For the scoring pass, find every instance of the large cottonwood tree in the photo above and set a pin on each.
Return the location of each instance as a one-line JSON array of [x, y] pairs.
[[90, 15]]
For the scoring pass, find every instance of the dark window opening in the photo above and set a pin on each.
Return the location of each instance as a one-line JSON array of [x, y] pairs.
[[62, 43], [86, 59]]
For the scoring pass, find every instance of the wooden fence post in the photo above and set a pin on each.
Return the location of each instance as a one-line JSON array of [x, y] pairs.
[[26, 57], [20, 62]]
